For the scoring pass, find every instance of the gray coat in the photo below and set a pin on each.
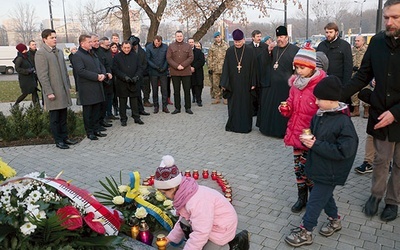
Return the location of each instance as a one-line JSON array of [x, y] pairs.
[[53, 76]]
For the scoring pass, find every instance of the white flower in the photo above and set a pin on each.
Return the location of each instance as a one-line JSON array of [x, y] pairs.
[[118, 200], [31, 207], [167, 204], [160, 196], [140, 213], [144, 191], [28, 228], [123, 188]]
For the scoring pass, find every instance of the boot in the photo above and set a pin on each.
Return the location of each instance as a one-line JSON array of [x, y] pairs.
[[302, 198], [366, 112], [356, 111]]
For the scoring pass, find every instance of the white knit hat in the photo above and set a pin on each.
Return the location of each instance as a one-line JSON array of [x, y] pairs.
[[167, 174]]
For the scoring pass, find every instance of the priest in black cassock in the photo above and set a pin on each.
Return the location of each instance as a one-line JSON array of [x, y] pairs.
[[277, 69], [237, 80]]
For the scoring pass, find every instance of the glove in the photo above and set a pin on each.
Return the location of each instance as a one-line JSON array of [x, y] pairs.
[[128, 79], [210, 72], [135, 79]]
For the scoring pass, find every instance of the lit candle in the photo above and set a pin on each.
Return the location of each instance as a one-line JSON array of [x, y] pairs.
[[187, 173], [135, 231], [205, 173], [195, 174], [161, 242], [214, 175]]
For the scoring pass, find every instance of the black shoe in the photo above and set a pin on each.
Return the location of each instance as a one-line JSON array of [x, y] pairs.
[[139, 121], [165, 110], [100, 134], [104, 124], [147, 104], [189, 111], [112, 117], [241, 241], [101, 128], [371, 207], [389, 213], [144, 113], [123, 124], [156, 109], [200, 104], [176, 111], [70, 141], [62, 145], [92, 137]]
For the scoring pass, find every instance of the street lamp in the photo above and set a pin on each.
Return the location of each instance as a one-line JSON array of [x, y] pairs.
[[51, 16], [362, 3]]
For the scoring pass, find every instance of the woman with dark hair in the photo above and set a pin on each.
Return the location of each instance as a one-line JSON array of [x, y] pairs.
[[26, 75]]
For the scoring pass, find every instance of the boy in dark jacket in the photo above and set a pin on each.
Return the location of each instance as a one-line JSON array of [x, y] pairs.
[[332, 152]]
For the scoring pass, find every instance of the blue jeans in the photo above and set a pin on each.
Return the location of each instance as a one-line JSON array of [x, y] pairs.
[[321, 197]]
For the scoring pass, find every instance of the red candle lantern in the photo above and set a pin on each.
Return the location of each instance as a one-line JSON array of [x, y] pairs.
[[228, 190], [145, 235], [195, 174], [187, 173], [284, 108], [205, 173], [214, 175]]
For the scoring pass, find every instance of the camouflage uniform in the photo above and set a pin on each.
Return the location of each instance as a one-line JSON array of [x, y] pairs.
[[215, 61], [358, 55]]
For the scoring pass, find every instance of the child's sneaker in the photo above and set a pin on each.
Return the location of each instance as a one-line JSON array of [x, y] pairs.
[[299, 236], [364, 168], [332, 226]]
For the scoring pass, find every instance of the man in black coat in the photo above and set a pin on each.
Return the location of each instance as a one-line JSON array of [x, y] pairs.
[[91, 74], [197, 79], [382, 62], [127, 70]]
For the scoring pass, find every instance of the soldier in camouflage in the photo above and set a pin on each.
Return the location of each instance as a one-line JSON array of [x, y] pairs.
[[215, 61], [358, 52]]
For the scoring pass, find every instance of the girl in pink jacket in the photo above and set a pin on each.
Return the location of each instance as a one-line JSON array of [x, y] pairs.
[[301, 109], [207, 219]]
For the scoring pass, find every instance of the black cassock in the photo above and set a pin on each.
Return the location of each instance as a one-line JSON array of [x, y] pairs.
[[238, 87], [274, 90]]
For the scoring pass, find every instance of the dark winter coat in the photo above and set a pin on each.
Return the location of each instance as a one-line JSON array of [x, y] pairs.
[[382, 61], [340, 58], [126, 65], [331, 158], [198, 63], [157, 59], [88, 67], [26, 75], [105, 57]]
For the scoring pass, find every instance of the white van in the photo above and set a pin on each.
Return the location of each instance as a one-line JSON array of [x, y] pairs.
[[7, 55]]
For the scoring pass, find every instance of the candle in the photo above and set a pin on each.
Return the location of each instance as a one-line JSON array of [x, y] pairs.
[[145, 235], [187, 173], [284, 108], [214, 175], [307, 134], [161, 242], [195, 174], [134, 231], [205, 173]]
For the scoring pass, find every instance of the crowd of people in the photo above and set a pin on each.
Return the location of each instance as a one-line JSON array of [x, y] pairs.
[[302, 95]]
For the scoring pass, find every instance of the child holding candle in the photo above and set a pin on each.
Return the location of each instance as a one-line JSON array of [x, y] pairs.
[[332, 151], [207, 219], [300, 108]]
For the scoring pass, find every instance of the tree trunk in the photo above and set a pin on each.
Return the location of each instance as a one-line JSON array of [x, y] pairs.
[[126, 24], [155, 18], [210, 21]]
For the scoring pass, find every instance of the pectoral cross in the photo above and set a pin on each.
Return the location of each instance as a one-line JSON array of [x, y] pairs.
[[239, 67]]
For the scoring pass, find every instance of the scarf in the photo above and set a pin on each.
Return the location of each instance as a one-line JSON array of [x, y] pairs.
[[186, 190], [342, 107], [302, 82]]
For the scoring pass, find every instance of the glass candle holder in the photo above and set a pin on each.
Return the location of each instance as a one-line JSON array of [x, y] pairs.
[[161, 242], [214, 175], [187, 173], [205, 173], [195, 174]]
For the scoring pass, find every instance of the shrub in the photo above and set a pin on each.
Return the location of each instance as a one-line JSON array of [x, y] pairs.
[[5, 128], [33, 118], [17, 120], [71, 121]]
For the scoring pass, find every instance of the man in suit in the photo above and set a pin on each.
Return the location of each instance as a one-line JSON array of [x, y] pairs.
[[91, 74], [53, 75], [197, 79]]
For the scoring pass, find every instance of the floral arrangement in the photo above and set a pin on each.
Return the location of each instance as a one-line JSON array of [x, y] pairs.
[[6, 171], [37, 212], [137, 203]]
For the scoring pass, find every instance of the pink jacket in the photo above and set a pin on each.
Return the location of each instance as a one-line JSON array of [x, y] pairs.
[[212, 218], [302, 109]]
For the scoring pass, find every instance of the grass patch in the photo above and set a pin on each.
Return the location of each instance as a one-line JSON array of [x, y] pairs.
[[10, 91]]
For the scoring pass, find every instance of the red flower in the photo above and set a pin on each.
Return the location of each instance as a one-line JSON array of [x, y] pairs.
[[94, 224], [70, 217]]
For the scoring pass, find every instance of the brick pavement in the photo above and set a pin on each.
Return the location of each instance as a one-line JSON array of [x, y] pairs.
[[259, 169]]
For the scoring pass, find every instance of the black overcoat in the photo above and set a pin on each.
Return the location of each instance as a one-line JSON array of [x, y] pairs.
[[126, 65], [26, 77], [199, 60]]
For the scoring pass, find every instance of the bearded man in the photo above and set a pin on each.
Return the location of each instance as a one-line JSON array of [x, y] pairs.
[[382, 62]]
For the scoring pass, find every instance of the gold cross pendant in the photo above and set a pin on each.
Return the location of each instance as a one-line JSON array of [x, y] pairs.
[[239, 67]]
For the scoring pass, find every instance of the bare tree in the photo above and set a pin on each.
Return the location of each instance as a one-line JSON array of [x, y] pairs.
[[91, 18], [23, 21]]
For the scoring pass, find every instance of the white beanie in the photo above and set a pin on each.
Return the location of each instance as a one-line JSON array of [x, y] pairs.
[[167, 174]]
